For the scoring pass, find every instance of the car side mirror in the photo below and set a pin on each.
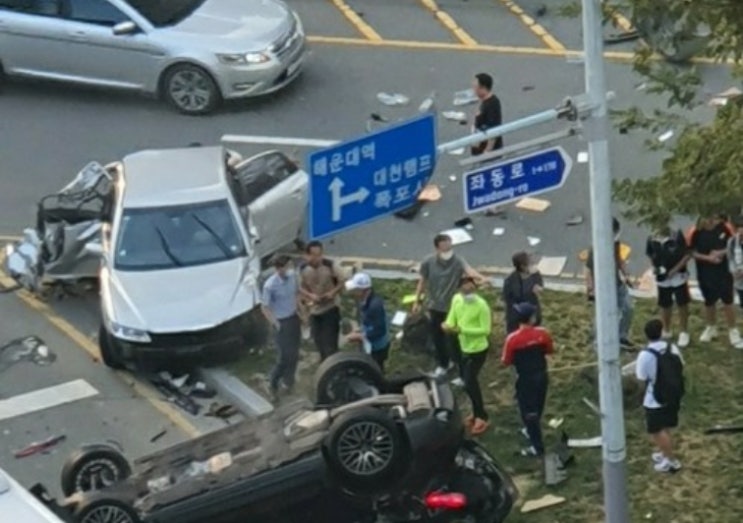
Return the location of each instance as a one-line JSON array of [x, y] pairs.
[[94, 248], [125, 28]]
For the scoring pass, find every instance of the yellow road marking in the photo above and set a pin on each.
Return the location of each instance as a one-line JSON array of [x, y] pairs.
[[449, 23], [8, 238], [353, 17], [536, 28], [143, 389], [617, 56]]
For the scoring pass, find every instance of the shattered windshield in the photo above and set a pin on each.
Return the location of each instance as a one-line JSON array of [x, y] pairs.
[[177, 236], [162, 13]]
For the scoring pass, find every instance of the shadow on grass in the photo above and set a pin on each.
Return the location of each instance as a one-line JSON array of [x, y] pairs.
[[707, 489]]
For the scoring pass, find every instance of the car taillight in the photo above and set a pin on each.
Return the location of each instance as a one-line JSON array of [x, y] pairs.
[[446, 501]]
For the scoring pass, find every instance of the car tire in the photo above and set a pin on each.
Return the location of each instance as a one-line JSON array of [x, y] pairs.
[[190, 89], [100, 507], [93, 467], [110, 351], [365, 450], [338, 378]]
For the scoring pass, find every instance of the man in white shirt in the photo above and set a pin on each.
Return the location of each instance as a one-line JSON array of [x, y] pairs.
[[659, 419]]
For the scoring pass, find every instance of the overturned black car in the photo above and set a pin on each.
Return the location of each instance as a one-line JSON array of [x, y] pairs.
[[369, 448]]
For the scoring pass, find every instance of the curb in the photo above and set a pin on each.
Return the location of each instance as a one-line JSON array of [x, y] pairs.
[[242, 397]]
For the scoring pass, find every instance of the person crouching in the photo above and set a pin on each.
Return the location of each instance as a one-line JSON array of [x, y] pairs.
[[374, 332]]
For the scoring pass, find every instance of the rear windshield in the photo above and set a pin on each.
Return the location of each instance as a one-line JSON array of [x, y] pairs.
[[162, 13]]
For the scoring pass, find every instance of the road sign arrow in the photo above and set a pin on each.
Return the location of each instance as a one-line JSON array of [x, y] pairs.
[[339, 200]]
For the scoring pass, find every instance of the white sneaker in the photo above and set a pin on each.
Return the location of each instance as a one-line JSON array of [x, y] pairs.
[[709, 334], [734, 336], [657, 457], [457, 382], [667, 335], [683, 340], [524, 432], [440, 371], [668, 465]]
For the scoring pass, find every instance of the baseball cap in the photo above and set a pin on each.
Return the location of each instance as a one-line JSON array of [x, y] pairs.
[[525, 310], [359, 281]]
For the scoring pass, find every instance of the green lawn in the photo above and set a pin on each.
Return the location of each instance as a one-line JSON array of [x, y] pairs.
[[708, 489]]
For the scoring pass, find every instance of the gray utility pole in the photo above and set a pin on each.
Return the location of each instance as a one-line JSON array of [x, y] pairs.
[[595, 131]]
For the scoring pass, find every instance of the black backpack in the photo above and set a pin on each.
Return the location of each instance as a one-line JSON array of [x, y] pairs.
[[669, 387]]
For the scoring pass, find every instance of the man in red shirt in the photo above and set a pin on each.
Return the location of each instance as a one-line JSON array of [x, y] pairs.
[[527, 349]]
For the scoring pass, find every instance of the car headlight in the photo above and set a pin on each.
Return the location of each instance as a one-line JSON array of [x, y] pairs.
[[243, 58], [129, 333]]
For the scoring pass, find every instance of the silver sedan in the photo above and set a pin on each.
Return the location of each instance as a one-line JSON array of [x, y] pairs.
[[192, 53]]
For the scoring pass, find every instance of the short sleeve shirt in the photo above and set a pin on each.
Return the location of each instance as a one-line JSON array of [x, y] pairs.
[[442, 280], [488, 116], [320, 280], [589, 261], [705, 241], [280, 295], [646, 370]]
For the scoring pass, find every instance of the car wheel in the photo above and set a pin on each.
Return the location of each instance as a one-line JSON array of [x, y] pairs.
[[93, 467], [101, 508], [110, 350], [345, 377], [190, 89], [365, 449]]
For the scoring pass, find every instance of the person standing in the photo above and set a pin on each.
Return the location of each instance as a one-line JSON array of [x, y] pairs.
[[440, 276], [624, 299], [374, 333], [471, 319], [522, 285], [669, 254], [708, 241], [660, 367], [320, 285], [279, 306], [735, 257], [488, 115]]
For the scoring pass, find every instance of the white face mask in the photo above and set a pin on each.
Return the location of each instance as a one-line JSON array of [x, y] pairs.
[[446, 255], [469, 297]]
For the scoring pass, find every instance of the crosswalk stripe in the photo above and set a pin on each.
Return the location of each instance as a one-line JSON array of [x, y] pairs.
[[47, 398]]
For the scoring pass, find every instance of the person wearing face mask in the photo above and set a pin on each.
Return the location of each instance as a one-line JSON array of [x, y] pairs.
[[471, 319], [624, 300], [373, 334], [440, 275], [523, 285], [735, 258]]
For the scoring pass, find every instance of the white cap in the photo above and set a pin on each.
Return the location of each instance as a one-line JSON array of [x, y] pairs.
[[359, 281]]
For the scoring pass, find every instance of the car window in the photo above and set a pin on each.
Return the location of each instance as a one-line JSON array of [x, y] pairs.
[[261, 174], [162, 13], [36, 7], [99, 12]]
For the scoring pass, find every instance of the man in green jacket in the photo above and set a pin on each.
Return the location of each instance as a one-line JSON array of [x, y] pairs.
[[470, 318]]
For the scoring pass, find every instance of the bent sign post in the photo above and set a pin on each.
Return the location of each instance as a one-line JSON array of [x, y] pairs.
[[516, 178]]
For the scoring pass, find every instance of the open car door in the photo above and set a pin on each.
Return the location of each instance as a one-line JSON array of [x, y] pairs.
[[274, 189]]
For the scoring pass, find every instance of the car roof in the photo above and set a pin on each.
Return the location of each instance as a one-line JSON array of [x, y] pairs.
[[164, 177], [18, 504]]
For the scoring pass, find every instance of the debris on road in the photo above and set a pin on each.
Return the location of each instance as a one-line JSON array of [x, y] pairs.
[[430, 193], [555, 422], [465, 97], [552, 265], [224, 412], [39, 447], [455, 116], [393, 99], [585, 443], [575, 219], [28, 348], [398, 320], [554, 472], [583, 157], [533, 204], [533, 240], [465, 223], [665, 136], [158, 436], [546, 501], [499, 231]]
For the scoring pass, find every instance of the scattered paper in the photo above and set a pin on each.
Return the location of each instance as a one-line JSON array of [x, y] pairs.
[[398, 336], [665, 136], [457, 152], [499, 231], [465, 97], [398, 320], [452, 178], [718, 101], [555, 423], [641, 87], [455, 116], [393, 99], [549, 500], [584, 443], [533, 204], [575, 219], [533, 240], [583, 157], [430, 193], [458, 236], [552, 265]]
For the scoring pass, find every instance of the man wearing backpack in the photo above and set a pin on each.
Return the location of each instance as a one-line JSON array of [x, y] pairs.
[[660, 366]]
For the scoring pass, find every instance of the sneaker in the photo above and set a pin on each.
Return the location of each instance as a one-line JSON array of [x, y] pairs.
[[683, 340], [708, 335], [450, 367], [668, 465], [667, 335], [440, 371], [457, 382], [735, 340], [524, 432], [657, 457], [479, 426], [530, 452]]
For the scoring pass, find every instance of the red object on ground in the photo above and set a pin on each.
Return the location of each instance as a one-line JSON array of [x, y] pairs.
[[446, 501], [39, 446]]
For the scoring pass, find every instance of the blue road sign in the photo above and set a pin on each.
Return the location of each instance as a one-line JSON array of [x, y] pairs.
[[355, 182], [510, 180]]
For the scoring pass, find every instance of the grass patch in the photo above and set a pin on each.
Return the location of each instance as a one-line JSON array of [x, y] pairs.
[[707, 489]]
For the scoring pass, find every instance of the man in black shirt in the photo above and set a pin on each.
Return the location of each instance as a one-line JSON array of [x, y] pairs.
[[708, 242], [488, 116]]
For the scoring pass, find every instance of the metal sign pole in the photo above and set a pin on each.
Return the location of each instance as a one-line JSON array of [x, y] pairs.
[[607, 310]]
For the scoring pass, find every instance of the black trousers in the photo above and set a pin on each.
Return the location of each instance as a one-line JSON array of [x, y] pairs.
[[531, 395], [446, 345], [326, 329], [471, 365], [287, 340], [380, 356]]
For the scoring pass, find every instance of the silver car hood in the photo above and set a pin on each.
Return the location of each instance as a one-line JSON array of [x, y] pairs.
[[253, 24], [180, 300]]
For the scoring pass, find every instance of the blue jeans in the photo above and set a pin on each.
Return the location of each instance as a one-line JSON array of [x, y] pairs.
[[626, 311]]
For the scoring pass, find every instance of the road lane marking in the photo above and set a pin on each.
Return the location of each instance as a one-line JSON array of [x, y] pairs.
[[143, 389], [9, 238], [47, 398], [361, 26], [536, 28], [276, 140], [448, 22], [615, 56]]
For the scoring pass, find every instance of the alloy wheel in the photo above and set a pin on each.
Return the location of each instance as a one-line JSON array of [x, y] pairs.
[[190, 90], [365, 448], [107, 514]]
